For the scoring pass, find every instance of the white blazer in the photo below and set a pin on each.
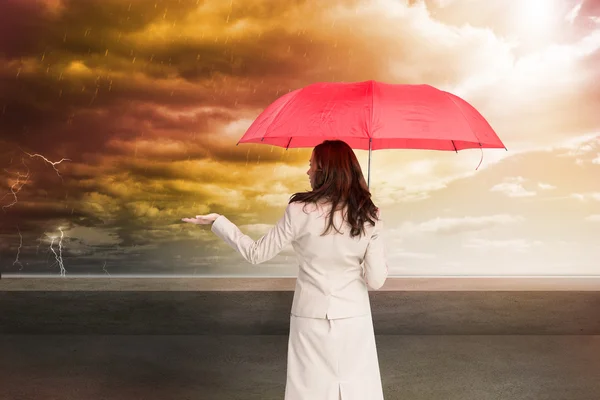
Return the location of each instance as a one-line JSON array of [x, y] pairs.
[[334, 270]]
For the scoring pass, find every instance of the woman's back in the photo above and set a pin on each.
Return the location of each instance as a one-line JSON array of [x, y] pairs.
[[331, 280]]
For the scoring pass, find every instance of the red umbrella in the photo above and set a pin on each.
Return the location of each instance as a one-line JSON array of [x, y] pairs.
[[373, 115]]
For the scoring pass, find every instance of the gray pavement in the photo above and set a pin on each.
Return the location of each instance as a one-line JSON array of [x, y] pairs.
[[217, 345], [252, 367], [268, 313]]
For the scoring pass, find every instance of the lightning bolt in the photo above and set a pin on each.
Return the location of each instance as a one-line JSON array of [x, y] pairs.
[[53, 163], [19, 250], [16, 188], [37, 249], [104, 268], [26, 176], [14, 185], [58, 256]]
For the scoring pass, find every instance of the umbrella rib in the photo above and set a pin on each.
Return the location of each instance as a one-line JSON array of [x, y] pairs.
[[370, 131], [464, 117], [283, 108]]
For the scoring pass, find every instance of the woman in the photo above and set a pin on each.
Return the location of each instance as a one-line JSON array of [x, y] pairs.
[[331, 349]]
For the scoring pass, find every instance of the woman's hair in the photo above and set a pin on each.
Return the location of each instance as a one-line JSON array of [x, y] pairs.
[[338, 179]]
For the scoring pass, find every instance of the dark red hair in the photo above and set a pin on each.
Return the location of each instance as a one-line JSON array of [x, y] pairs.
[[339, 180]]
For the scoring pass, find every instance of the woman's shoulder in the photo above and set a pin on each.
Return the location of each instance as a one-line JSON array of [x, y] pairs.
[[309, 206]]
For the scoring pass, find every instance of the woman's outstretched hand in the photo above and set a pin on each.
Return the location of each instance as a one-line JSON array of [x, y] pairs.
[[202, 219]]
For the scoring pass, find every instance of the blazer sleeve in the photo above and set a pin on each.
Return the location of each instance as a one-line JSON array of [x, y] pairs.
[[263, 249], [376, 268]]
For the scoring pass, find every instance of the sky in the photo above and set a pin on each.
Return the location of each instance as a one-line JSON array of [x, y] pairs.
[[118, 118]]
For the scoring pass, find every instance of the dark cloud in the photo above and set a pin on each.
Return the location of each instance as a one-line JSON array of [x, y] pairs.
[[79, 27], [38, 216], [93, 74], [22, 24], [130, 90]]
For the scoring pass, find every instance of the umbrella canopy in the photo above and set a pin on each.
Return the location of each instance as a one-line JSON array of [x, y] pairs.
[[372, 115]]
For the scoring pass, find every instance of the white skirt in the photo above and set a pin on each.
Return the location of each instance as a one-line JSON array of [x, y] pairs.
[[332, 359]]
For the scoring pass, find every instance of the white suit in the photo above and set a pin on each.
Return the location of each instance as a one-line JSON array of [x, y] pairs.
[[331, 350]]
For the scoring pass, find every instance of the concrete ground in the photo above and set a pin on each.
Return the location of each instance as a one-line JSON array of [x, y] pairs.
[[139, 339], [215, 367]]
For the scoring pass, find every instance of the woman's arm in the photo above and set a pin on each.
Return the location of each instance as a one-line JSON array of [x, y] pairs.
[[264, 249]]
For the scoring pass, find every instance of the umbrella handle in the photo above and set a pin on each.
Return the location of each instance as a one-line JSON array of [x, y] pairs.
[[369, 170]]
